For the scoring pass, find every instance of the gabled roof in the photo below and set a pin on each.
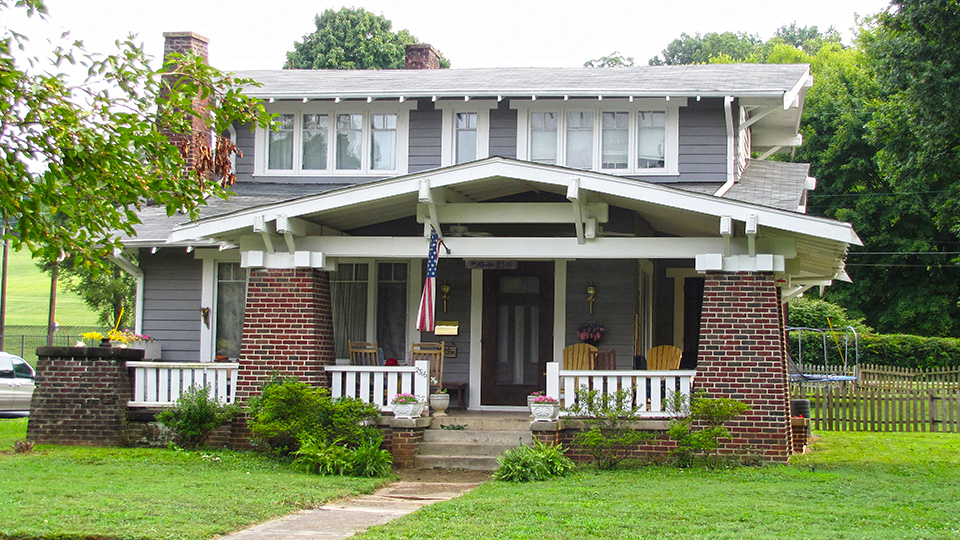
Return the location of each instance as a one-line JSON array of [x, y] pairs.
[[392, 198], [740, 80]]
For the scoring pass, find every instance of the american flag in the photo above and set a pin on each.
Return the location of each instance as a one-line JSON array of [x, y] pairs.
[[425, 316]]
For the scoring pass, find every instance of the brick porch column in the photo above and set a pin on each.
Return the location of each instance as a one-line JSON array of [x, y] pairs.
[[287, 328], [742, 357]]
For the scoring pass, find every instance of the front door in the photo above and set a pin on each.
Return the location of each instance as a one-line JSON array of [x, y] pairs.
[[517, 337]]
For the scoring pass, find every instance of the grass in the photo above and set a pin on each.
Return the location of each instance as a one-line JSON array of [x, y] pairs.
[[28, 300], [855, 485], [124, 493]]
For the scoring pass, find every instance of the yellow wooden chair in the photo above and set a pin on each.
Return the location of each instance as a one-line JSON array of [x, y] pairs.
[[432, 352], [664, 357], [578, 356], [364, 353]]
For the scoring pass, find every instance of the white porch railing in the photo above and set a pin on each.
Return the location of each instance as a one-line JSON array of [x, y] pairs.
[[378, 384], [650, 389], [160, 383]]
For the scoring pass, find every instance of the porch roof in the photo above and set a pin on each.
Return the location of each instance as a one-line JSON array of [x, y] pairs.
[[666, 209]]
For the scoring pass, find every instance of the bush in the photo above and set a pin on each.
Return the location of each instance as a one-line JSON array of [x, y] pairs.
[[610, 436], [195, 416], [288, 412], [698, 426], [366, 460], [532, 463], [814, 313]]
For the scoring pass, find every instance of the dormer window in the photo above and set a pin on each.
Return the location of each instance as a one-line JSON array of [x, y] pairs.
[[322, 139], [613, 135]]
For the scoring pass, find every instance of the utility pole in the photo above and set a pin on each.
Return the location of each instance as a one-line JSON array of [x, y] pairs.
[[52, 319], [3, 285]]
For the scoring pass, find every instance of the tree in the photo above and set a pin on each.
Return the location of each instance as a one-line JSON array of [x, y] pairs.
[[109, 292], [352, 39], [614, 59], [94, 148], [699, 49]]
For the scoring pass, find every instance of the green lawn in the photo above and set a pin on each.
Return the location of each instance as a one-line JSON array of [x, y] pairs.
[[28, 296], [112, 493], [854, 486]]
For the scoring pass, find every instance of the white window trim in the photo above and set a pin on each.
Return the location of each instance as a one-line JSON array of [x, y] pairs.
[[208, 295], [448, 131], [298, 109], [598, 107]]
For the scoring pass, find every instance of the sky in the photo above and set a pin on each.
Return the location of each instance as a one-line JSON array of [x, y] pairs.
[[490, 33]]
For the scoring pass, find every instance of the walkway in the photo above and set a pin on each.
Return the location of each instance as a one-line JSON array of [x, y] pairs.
[[344, 518]]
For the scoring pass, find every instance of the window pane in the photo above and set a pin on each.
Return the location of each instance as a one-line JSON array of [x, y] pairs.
[[280, 144], [231, 296], [348, 291], [614, 140], [465, 139], [543, 138], [580, 140], [650, 139], [315, 128], [392, 309], [349, 140], [383, 151]]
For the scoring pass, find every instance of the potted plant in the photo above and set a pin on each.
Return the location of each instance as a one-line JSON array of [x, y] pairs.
[[590, 331], [406, 406], [439, 401], [545, 408], [533, 396]]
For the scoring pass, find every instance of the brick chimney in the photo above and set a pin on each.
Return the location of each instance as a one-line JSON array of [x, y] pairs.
[[195, 143], [422, 56]]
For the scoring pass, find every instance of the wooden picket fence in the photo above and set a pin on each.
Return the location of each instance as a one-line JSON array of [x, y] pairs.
[[886, 398]]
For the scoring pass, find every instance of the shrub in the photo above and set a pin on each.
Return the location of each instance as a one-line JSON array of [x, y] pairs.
[[366, 460], [698, 426], [813, 313], [532, 463], [195, 416], [288, 412], [610, 436]]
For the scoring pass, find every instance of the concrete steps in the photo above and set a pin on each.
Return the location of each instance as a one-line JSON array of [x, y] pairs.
[[476, 446]]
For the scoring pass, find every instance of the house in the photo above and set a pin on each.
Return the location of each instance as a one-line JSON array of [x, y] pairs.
[[647, 186]]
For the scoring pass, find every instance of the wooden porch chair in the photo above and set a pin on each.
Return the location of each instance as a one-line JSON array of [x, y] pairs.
[[432, 352], [579, 356], [364, 353], [605, 359], [664, 357]]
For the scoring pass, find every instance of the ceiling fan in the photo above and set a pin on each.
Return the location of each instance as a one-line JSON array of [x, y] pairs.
[[457, 231]]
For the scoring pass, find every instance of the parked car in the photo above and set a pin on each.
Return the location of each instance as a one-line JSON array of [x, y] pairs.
[[16, 383]]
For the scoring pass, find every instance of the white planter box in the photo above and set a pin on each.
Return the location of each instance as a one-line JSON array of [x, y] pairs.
[[151, 349]]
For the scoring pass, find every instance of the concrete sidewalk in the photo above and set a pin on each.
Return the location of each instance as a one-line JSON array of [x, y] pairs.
[[347, 517]]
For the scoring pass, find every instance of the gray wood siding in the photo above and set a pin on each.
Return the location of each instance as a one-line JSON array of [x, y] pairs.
[[425, 127], [457, 275], [503, 133], [171, 302], [703, 141], [245, 143], [615, 305]]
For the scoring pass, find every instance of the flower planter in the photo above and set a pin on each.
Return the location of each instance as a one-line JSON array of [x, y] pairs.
[[545, 412], [407, 410], [151, 349], [439, 404]]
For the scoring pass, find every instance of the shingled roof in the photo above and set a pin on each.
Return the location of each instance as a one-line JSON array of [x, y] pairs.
[[707, 80]]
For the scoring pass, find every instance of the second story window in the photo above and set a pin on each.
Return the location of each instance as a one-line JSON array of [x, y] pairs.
[[618, 135], [466, 137], [579, 140], [322, 139]]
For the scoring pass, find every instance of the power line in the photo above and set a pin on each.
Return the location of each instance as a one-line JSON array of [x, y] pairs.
[[904, 253]]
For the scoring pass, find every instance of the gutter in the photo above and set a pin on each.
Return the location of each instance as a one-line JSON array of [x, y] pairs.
[[127, 266], [728, 115]]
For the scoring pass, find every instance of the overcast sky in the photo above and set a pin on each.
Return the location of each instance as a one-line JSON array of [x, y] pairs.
[[490, 33]]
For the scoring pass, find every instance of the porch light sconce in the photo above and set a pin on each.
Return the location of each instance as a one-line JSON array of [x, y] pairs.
[[445, 294], [591, 296]]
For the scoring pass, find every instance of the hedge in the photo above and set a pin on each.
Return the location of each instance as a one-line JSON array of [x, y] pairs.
[[900, 350]]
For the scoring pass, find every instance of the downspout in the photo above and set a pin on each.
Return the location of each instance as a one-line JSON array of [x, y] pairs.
[[127, 266], [728, 114]]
